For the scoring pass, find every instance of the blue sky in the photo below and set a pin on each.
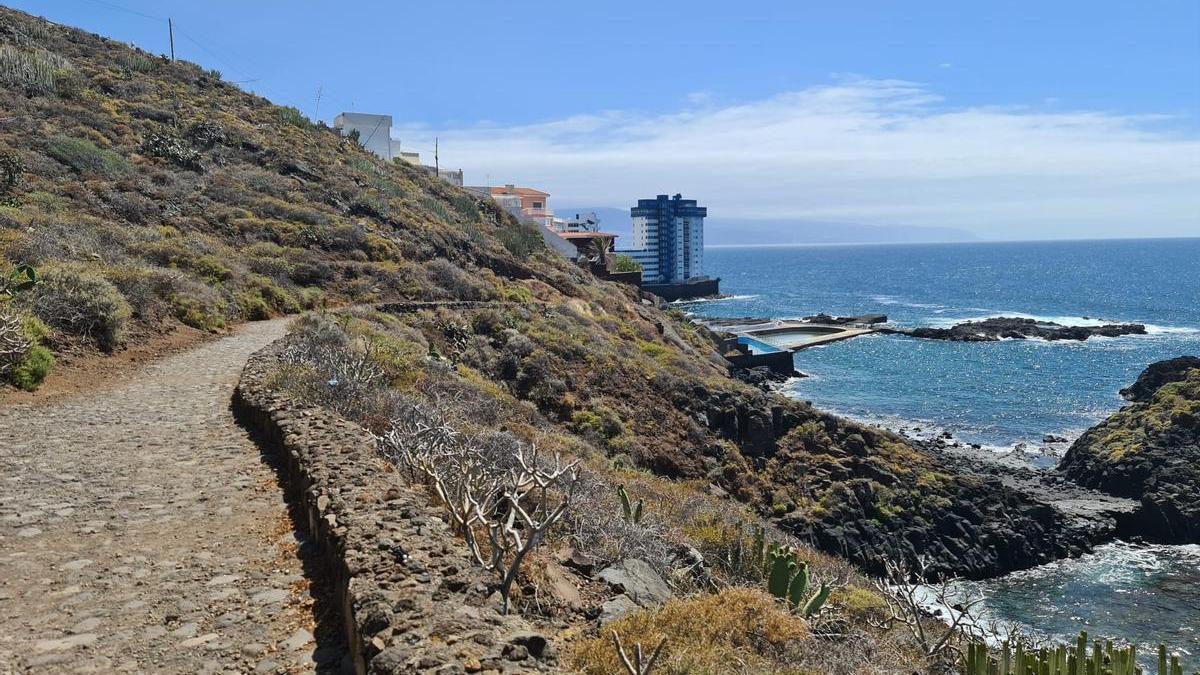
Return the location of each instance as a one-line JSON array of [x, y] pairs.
[[1011, 119]]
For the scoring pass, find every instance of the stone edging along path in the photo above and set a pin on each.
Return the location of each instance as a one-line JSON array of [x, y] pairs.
[[142, 532], [410, 597]]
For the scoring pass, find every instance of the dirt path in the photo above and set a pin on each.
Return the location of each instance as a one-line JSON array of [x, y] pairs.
[[140, 531]]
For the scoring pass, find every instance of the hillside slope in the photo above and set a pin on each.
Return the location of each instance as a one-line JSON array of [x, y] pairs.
[[203, 204], [148, 193]]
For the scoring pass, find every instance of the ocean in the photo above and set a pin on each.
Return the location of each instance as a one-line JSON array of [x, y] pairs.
[[999, 394]]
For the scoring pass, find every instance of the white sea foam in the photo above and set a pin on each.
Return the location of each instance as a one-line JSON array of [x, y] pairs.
[[1153, 329], [698, 301], [902, 302]]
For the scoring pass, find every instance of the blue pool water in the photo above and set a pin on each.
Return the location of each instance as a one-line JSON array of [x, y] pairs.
[[1001, 393]]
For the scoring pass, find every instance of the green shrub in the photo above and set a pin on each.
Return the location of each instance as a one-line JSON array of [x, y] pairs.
[[465, 206], [86, 157], [600, 421], [35, 330], [172, 148], [439, 209], [263, 300], [83, 303], [68, 82], [211, 269], [32, 369], [253, 307], [198, 314], [623, 263], [11, 168], [521, 239], [290, 115]]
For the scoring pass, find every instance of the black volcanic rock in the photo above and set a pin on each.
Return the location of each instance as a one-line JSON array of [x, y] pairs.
[[1158, 374], [1149, 451], [866, 319], [1016, 328]]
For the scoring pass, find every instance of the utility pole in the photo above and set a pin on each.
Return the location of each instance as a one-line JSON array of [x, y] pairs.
[[171, 34], [317, 110], [437, 169]]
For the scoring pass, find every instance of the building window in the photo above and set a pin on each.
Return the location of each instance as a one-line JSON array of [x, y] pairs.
[[537, 205]]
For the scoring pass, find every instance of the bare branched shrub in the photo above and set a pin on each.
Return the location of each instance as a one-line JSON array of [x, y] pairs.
[[13, 342], [498, 493], [910, 599], [345, 375]]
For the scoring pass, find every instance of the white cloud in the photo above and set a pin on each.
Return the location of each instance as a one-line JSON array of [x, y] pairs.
[[867, 151]]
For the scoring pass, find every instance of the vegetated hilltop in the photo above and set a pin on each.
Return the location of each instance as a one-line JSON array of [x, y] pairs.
[[1150, 451], [148, 193]]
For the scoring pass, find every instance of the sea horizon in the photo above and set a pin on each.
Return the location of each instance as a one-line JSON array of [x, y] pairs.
[[860, 244]]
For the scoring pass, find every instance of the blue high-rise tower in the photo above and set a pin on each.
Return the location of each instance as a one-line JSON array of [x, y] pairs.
[[668, 239]]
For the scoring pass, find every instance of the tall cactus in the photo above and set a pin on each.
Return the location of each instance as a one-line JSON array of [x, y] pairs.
[[1083, 658]]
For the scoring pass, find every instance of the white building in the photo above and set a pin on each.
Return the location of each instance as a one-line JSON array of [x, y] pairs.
[[587, 222], [375, 135], [374, 132]]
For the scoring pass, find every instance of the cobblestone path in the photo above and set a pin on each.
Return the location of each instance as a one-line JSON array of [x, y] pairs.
[[140, 531]]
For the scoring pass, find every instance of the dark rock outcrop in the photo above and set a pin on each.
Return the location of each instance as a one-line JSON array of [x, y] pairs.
[[1150, 451], [882, 496], [1158, 374], [866, 319], [1014, 328], [763, 376]]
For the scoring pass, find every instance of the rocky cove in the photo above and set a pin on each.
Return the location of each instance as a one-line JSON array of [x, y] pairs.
[[1048, 514]]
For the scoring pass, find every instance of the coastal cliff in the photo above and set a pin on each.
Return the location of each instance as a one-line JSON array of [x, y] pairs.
[[1150, 451]]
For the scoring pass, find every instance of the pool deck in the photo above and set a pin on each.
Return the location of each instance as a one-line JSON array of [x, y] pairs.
[[817, 333], [839, 333]]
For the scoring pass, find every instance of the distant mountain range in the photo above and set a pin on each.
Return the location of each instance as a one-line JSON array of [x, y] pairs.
[[729, 231]]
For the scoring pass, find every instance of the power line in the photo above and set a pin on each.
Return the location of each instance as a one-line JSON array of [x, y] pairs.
[[182, 33], [211, 53], [127, 10]]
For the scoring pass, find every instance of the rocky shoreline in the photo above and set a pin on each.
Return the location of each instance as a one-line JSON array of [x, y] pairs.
[[1149, 451], [1091, 503], [1016, 328]]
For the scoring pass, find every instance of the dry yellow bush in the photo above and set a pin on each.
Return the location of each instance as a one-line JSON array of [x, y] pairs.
[[736, 630]]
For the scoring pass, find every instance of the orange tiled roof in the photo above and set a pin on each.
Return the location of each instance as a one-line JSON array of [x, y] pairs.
[[530, 192], [585, 235]]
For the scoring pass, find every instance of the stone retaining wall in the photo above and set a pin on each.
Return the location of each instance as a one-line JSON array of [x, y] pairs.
[[410, 597]]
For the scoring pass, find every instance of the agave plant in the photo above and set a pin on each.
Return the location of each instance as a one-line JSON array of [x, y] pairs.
[[630, 511], [21, 278]]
